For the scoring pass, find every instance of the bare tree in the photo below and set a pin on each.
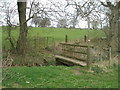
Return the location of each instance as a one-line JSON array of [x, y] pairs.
[[36, 20], [93, 11], [45, 22], [74, 21], [41, 21], [84, 9], [10, 13], [113, 16], [62, 23], [95, 24], [21, 43]]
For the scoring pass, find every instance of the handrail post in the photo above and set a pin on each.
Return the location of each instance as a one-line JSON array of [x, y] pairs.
[[85, 38], [35, 42], [109, 55], [88, 56], [47, 41], [88, 41], [66, 38]]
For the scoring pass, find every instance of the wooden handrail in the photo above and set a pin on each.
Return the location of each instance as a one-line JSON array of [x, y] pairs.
[[81, 59], [76, 45], [74, 51]]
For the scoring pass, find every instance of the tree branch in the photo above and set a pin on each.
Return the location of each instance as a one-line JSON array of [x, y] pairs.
[[104, 4], [31, 8]]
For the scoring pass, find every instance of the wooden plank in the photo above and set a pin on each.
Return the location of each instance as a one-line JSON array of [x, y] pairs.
[[74, 51], [73, 57], [88, 56], [76, 45], [76, 62], [73, 45]]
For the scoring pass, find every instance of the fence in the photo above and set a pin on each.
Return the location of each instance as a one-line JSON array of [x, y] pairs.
[[43, 42], [100, 54]]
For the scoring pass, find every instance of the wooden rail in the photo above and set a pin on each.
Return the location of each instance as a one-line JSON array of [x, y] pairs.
[[74, 51], [76, 45]]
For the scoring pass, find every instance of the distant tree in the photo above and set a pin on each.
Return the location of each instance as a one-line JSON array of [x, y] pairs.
[[44, 22], [73, 21], [95, 24], [36, 20], [41, 22], [10, 13], [83, 11], [62, 23], [106, 30]]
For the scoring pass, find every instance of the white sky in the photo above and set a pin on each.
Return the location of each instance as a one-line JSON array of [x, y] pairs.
[[81, 24]]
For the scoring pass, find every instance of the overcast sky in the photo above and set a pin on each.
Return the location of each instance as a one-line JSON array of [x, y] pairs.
[[81, 24]]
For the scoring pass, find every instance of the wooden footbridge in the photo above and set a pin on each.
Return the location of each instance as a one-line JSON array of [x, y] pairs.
[[73, 54]]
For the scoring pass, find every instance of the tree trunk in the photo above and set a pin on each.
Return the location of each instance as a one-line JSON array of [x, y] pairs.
[[114, 33], [9, 37], [119, 31], [21, 43]]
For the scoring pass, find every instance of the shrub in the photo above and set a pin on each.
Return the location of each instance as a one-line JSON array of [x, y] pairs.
[[97, 69]]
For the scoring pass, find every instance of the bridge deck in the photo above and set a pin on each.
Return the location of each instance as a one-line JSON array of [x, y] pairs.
[[77, 62]]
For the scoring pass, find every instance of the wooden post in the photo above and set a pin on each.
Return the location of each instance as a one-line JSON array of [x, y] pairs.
[[35, 42], [85, 38], [88, 56], [100, 51], [88, 41], [44, 40], [73, 49], [109, 55], [66, 38], [39, 43], [53, 46], [4, 48], [47, 42]]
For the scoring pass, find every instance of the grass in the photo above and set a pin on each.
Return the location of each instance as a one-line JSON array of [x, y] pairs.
[[57, 33], [59, 77]]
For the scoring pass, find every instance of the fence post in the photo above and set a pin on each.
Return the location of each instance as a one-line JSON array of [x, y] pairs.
[[35, 42], [39, 43], [47, 42], [88, 56], [100, 53], [109, 54], [66, 38], [100, 50], [53, 41], [44, 42], [85, 38], [4, 48]]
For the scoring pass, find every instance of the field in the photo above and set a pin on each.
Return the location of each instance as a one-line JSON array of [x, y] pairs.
[[60, 77], [51, 76], [57, 33]]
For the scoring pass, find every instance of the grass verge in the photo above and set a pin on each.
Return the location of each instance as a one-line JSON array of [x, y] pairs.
[[60, 77]]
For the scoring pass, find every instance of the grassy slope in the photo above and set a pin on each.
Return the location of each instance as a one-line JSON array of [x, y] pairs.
[[57, 33], [60, 77]]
